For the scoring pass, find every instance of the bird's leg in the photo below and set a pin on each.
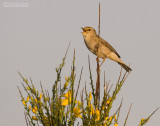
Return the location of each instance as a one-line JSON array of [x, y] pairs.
[[98, 67], [97, 59], [102, 62]]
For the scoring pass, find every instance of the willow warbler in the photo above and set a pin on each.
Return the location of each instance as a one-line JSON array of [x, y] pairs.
[[101, 48]]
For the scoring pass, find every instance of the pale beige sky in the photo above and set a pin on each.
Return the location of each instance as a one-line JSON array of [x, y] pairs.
[[34, 39]]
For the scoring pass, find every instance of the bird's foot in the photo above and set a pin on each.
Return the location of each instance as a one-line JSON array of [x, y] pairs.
[[97, 59], [102, 63]]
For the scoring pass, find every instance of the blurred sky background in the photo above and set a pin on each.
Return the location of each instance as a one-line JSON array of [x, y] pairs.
[[33, 41]]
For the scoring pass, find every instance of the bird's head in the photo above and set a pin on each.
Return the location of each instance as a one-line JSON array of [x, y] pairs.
[[88, 31]]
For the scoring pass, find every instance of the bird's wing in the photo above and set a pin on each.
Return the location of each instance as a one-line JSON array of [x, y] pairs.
[[109, 46]]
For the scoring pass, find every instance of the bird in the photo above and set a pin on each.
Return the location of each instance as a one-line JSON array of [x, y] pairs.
[[101, 48]]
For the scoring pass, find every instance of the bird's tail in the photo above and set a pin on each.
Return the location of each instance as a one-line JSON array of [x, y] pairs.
[[114, 57], [127, 68]]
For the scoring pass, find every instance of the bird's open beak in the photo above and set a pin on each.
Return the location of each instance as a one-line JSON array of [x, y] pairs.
[[83, 29]]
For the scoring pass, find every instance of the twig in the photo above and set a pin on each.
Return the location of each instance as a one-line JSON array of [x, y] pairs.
[[25, 118], [107, 85], [67, 51], [104, 80], [98, 70], [119, 109], [128, 114], [126, 77], [99, 22], [110, 89], [93, 90], [120, 74], [98, 84], [153, 112], [79, 83]]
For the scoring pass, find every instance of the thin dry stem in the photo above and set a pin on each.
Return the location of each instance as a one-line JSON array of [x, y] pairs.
[[98, 69], [110, 88], [107, 85], [120, 74], [99, 21], [125, 77], [128, 114], [153, 112], [119, 109], [67, 51], [104, 80], [79, 83], [26, 118]]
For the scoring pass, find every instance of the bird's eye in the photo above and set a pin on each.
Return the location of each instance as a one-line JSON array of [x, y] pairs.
[[89, 29]]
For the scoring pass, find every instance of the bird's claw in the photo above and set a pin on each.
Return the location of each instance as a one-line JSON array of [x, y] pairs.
[[97, 59]]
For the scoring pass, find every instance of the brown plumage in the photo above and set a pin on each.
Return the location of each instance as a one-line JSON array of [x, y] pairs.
[[101, 48]]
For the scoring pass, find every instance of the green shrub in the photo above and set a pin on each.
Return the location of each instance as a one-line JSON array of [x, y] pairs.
[[62, 108]]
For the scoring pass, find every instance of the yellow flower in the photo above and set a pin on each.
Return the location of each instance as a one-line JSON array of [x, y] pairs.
[[34, 111], [24, 103], [79, 103], [40, 96], [27, 99], [35, 107], [29, 107], [28, 88], [31, 98], [64, 102], [35, 100], [77, 112], [110, 119], [66, 78], [109, 100], [68, 94], [142, 120], [34, 118], [115, 124], [106, 118], [67, 98], [115, 118], [66, 84], [89, 104], [103, 107], [92, 110], [90, 96], [45, 117], [97, 112]]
